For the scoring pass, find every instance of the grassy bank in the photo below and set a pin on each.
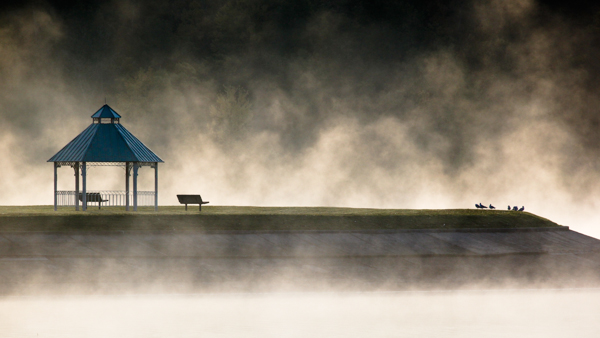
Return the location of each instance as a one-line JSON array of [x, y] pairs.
[[224, 218]]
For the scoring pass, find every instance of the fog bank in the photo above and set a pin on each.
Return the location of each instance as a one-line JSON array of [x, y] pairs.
[[309, 104]]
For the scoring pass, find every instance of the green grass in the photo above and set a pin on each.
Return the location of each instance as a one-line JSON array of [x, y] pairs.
[[236, 218]]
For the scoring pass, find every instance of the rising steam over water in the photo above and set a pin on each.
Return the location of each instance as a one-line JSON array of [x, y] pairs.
[[524, 313], [358, 104]]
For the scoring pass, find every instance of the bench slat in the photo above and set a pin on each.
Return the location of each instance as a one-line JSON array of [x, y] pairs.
[[92, 197], [190, 199]]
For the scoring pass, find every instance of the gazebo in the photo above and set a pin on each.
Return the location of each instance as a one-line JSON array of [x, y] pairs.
[[105, 143]]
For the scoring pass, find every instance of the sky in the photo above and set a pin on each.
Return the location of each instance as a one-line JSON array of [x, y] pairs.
[[377, 104]]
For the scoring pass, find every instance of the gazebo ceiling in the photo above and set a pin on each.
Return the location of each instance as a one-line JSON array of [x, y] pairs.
[[105, 142]]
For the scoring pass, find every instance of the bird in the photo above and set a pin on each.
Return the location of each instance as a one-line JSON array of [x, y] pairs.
[[515, 208], [492, 207], [509, 208], [522, 208], [477, 206], [482, 206]]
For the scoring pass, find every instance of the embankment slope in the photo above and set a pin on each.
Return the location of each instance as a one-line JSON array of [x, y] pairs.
[[265, 249]]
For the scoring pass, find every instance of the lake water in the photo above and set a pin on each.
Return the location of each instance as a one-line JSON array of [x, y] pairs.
[[500, 313]]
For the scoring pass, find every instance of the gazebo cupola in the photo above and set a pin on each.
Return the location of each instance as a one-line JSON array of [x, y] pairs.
[[105, 143], [106, 115]]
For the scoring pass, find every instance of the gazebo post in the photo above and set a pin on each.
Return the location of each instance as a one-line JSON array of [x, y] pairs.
[[127, 173], [55, 183], [76, 168], [155, 186], [83, 193], [135, 195]]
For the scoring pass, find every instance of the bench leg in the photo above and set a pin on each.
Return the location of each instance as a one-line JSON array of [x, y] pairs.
[[186, 207], [200, 207]]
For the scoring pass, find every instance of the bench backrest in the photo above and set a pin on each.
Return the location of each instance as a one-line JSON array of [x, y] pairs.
[[189, 199], [91, 197]]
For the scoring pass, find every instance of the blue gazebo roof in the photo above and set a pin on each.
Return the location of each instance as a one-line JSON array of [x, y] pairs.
[[105, 142], [106, 112]]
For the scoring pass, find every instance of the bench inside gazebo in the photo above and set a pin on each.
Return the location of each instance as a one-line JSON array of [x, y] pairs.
[[105, 143]]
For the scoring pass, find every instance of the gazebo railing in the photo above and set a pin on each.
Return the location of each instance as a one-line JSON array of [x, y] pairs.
[[114, 197]]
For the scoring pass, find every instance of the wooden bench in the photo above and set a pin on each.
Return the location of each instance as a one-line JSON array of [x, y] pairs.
[[191, 199], [93, 197]]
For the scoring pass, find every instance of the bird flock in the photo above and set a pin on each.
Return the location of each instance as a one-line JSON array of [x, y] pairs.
[[515, 208]]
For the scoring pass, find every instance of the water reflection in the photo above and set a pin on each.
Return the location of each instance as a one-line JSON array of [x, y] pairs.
[[521, 313]]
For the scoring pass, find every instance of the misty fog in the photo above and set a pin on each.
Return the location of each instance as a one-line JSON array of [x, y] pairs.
[[303, 103], [404, 314]]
